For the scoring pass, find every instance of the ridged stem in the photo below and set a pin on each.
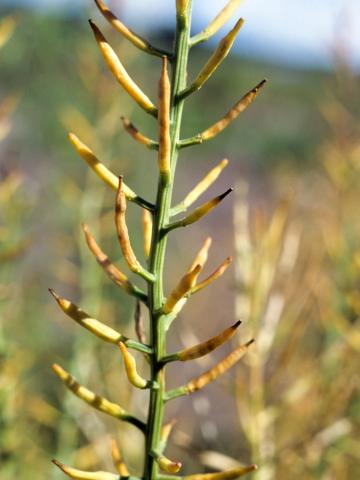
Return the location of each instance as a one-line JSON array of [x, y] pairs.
[[158, 249]]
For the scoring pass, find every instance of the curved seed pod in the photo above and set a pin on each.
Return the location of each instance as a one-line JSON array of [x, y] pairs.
[[121, 74], [232, 114], [185, 285], [147, 229], [205, 183], [215, 275], [200, 212], [82, 318], [100, 403], [226, 475], [81, 475], [202, 255], [164, 119], [166, 431], [167, 465], [220, 20], [118, 460], [139, 323], [138, 136], [130, 367], [210, 345], [216, 58], [135, 39], [222, 367], [103, 172]]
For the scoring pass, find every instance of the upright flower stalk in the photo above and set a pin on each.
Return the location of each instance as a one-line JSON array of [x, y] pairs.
[[158, 223]]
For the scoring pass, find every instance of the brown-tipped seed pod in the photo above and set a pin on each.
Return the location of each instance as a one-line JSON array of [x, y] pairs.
[[130, 367], [147, 229], [122, 231], [217, 370], [185, 285], [220, 20], [200, 212], [216, 58], [135, 39], [82, 318], [164, 119], [226, 475], [113, 272], [209, 346], [120, 73], [214, 276], [205, 183], [118, 461], [167, 465], [103, 172], [88, 396], [202, 255], [138, 136], [81, 475]]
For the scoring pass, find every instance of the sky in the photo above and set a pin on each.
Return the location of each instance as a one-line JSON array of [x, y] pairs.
[[299, 32]]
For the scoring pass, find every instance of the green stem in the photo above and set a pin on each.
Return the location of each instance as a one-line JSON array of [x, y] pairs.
[[158, 249]]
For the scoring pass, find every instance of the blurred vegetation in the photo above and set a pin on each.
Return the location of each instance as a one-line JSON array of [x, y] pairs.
[[297, 266]]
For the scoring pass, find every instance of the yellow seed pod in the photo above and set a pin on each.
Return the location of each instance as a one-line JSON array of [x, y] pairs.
[[81, 475], [118, 460], [181, 7], [164, 119], [222, 367], [147, 229], [134, 132], [130, 367], [122, 231], [214, 276], [185, 285], [82, 318], [100, 403], [210, 345], [99, 168], [123, 29], [205, 183], [233, 113], [225, 475], [167, 465], [113, 272], [217, 57], [7, 27], [204, 209], [120, 73], [202, 255], [219, 21]]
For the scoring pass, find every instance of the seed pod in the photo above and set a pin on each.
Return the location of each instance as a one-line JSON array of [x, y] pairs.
[[113, 272], [220, 20], [210, 345], [100, 403], [185, 285], [202, 255], [214, 276], [167, 465], [103, 172], [222, 367], [226, 475], [164, 120], [205, 183], [166, 430], [122, 231], [121, 74], [135, 39], [138, 136], [216, 58], [181, 7], [130, 367], [201, 211], [232, 114], [118, 460], [81, 475], [147, 229], [82, 318]]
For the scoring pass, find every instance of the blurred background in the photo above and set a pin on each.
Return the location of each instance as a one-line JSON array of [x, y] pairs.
[[292, 227]]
